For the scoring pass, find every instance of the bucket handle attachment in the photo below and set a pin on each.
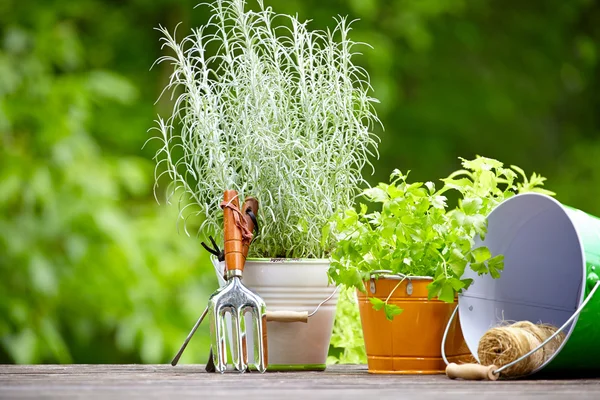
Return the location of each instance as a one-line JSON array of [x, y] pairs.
[[296, 316], [387, 274], [496, 372]]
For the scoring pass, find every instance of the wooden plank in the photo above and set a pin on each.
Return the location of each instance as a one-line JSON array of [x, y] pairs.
[[190, 381]]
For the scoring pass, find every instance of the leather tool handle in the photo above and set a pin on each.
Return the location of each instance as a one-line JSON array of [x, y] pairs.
[[472, 372], [287, 316], [234, 256], [249, 204]]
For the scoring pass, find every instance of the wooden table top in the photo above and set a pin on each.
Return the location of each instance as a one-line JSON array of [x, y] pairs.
[[338, 382]]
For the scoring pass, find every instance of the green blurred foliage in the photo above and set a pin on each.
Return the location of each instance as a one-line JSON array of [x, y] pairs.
[[93, 270], [347, 343]]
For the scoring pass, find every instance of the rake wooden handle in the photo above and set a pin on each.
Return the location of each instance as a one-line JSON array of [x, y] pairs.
[[287, 316], [234, 256], [249, 204], [472, 372]]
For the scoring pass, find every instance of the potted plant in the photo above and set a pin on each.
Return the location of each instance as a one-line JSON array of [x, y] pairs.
[[279, 112], [407, 259]]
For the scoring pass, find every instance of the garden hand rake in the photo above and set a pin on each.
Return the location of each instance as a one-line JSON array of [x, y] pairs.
[[249, 210], [235, 298]]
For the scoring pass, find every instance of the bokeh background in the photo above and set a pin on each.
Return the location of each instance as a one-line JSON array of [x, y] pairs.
[[94, 270]]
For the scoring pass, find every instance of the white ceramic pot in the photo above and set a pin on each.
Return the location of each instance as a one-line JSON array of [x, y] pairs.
[[294, 285]]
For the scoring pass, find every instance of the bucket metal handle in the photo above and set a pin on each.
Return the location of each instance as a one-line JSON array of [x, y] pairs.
[[323, 302], [296, 316], [499, 370]]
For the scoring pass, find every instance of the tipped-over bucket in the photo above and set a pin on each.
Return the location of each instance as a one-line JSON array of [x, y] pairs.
[[552, 262]]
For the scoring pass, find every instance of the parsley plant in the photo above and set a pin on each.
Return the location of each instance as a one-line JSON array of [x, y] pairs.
[[415, 233]]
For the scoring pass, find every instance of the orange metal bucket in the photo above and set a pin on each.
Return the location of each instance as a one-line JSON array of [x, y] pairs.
[[411, 343]]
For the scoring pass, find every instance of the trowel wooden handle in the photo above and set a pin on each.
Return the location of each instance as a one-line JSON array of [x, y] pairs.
[[249, 204], [234, 257], [472, 372], [287, 316]]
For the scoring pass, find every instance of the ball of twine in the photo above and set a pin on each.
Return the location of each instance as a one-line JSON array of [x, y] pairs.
[[552, 346], [504, 344]]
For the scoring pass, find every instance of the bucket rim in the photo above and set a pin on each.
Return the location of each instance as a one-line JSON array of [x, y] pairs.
[[388, 274]]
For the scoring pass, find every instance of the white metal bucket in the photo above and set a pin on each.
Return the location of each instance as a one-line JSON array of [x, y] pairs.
[[292, 285], [548, 263]]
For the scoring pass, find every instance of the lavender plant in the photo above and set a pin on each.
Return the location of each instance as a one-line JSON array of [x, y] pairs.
[[279, 112]]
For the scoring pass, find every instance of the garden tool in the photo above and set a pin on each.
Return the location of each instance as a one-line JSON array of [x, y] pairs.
[[249, 210], [234, 298]]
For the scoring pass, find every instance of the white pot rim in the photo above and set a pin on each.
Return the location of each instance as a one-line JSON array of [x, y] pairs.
[[289, 260]]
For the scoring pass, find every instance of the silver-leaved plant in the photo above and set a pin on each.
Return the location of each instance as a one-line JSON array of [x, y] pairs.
[[279, 112]]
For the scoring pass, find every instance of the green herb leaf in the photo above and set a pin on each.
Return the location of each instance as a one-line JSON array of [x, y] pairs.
[[456, 284], [471, 206], [481, 164], [480, 268], [378, 304], [363, 209], [457, 184], [391, 311], [458, 266], [431, 187], [433, 289], [439, 202], [376, 194], [481, 254], [350, 277], [495, 265], [467, 282], [447, 292]]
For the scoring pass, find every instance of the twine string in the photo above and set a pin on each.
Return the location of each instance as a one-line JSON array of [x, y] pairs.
[[239, 220], [558, 331]]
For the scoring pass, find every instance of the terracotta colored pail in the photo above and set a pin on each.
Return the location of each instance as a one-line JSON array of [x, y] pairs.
[[410, 344]]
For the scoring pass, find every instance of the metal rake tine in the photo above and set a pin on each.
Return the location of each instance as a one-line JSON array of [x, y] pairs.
[[260, 345], [238, 327], [245, 347], [217, 332], [223, 342]]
